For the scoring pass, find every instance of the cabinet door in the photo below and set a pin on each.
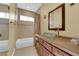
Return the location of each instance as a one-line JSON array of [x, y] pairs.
[[36, 45], [46, 52], [40, 41], [39, 48], [58, 52], [42, 50], [47, 45]]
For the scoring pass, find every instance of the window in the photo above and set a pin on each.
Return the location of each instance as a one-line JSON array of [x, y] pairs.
[[26, 18], [4, 15]]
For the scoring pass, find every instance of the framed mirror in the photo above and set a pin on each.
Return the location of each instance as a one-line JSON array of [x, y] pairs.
[[56, 18]]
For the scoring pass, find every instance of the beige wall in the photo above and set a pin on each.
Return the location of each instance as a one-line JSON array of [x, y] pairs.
[[71, 19]]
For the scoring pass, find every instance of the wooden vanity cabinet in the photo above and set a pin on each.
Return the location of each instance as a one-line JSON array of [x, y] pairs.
[[46, 49], [47, 46], [42, 50]]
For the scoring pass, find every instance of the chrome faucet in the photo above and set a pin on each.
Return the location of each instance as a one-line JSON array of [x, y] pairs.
[[58, 32]]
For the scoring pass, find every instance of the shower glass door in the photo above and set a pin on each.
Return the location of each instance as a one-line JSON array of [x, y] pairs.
[[4, 29], [8, 23]]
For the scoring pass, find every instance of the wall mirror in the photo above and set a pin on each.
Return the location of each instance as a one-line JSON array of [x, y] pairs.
[[56, 18]]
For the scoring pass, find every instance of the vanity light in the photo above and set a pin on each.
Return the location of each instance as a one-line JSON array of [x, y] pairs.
[[72, 4]]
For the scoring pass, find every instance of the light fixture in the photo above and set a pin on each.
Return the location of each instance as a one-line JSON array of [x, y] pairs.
[[72, 4]]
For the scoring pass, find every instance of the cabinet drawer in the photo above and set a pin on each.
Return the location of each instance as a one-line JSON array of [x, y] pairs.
[[39, 49], [46, 52], [47, 45], [37, 45], [41, 41], [58, 52]]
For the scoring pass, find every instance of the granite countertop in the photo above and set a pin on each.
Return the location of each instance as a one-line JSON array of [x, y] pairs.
[[63, 43]]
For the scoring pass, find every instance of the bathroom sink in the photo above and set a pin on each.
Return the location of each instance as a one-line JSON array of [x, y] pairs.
[[49, 35]]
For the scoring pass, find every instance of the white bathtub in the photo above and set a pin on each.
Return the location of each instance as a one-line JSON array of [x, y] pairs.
[[20, 43]]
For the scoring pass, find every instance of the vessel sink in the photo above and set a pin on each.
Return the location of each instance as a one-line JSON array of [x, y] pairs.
[[49, 35]]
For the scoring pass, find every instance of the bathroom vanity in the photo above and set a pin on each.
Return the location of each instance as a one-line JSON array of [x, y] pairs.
[[58, 46]]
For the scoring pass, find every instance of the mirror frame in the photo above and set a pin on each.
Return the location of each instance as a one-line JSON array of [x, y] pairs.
[[63, 17]]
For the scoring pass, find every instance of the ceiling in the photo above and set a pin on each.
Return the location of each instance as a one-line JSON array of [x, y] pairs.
[[28, 6]]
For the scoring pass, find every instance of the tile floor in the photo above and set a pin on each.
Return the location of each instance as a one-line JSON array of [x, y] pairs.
[[28, 51], [3, 53]]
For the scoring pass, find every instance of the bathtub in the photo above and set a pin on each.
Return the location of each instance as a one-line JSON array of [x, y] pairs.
[[20, 43]]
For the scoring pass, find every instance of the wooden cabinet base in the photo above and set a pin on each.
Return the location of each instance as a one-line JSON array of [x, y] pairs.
[[42, 51], [46, 49]]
